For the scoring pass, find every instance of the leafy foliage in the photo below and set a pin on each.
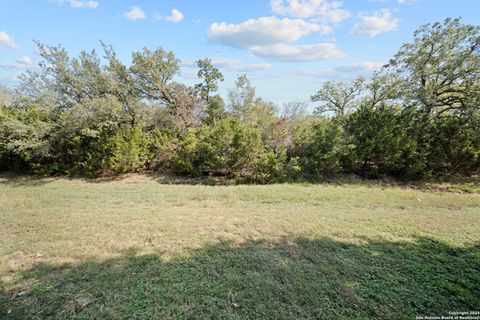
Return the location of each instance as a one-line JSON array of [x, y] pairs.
[[416, 117], [227, 148]]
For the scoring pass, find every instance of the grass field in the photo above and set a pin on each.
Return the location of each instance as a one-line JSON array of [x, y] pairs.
[[142, 249]]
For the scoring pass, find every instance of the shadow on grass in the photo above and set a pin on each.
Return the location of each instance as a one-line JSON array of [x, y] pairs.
[[32, 180], [17, 180], [289, 279], [444, 184]]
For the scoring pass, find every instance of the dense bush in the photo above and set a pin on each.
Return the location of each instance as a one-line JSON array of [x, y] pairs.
[[455, 146], [23, 137], [228, 148], [378, 142], [128, 151], [320, 148]]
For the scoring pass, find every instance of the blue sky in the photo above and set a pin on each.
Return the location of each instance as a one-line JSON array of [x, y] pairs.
[[286, 47]]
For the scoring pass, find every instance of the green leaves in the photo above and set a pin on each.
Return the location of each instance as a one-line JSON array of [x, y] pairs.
[[227, 148], [418, 116], [210, 76], [441, 67], [337, 97], [151, 72]]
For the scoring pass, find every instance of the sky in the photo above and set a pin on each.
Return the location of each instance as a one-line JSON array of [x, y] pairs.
[[287, 48]]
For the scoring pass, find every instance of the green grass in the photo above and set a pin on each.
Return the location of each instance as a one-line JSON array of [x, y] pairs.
[[141, 249]]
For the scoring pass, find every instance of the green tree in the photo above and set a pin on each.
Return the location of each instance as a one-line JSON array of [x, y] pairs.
[[152, 73], [6, 96], [441, 67], [210, 76], [337, 97], [214, 110], [228, 148], [384, 89], [23, 137], [214, 105], [242, 97], [440, 70], [319, 147], [378, 141]]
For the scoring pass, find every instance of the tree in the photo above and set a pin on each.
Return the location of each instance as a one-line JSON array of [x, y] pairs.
[[441, 67], [214, 110], [384, 88], [6, 96], [337, 97], [417, 117], [319, 147], [242, 97], [23, 137], [210, 75], [184, 109], [152, 72], [229, 147], [71, 79], [261, 113], [378, 141], [294, 110], [440, 70], [122, 84], [214, 105]]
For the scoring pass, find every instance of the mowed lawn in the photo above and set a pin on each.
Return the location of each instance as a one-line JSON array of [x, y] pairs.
[[141, 249]]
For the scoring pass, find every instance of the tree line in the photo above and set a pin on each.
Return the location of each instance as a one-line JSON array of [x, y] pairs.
[[416, 117]]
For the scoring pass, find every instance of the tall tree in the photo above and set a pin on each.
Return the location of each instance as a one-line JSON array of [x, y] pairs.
[[6, 96], [337, 97], [210, 76], [384, 88], [441, 67], [214, 105], [214, 111], [242, 97], [72, 79], [294, 110], [153, 72]]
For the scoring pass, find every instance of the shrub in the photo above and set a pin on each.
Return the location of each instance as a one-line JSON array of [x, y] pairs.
[[455, 146], [228, 148], [378, 142], [320, 148], [128, 151]]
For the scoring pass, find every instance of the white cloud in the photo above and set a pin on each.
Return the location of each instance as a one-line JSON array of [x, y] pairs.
[[189, 75], [261, 32], [234, 65], [175, 16], [360, 67], [135, 13], [274, 38], [80, 4], [91, 4], [22, 63], [379, 22], [342, 72], [399, 1], [238, 65], [7, 41], [328, 11], [24, 60], [9, 80], [308, 52]]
